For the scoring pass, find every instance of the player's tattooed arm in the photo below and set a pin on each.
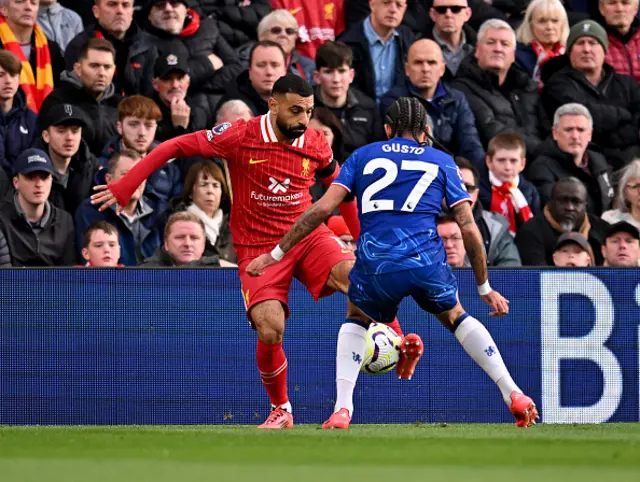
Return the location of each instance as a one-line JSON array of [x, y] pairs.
[[473, 243], [313, 217]]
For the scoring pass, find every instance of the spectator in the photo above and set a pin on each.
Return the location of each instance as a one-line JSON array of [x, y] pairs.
[[542, 36], [567, 154], [238, 19], [73, 165], [451, 236], [623, 31], [504, 188], [451, 32], [281, 27], [17, 121], [138, 118], [454, 124], [135, 49], [319, 22], [621, 247], [184, 245], [612, 99], [267, 63], [565, 212], [90, 87], [232, 111], [37, 233], [498, 242], [501, 95], [627, 202], [207, 196], [58, 23], [171, 21], [139, 232], [416, 15], [41, 58], [572, 251], [380, 45], [361, 123], [100, 245], [171, 84], [324, 120], [338, 226]]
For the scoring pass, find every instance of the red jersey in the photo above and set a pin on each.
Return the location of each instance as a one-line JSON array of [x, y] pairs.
[[270, 180], [319, 22]]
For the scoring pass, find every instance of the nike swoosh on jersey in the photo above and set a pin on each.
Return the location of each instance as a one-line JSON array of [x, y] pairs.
[[293, 11], [24, 130], [257, 161]]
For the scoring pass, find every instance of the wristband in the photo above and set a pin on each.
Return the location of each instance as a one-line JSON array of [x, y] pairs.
[[484, 289], [277, 253]]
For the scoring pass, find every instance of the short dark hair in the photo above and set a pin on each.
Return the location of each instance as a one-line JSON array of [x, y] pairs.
[[10, 63], [97, 226], [325, 116], [208, 169], [444, 219], [266, 43], [506, 140], [464, 163], [115, 159], [292, 84], [101, 44], [567, 181], [332, 55]]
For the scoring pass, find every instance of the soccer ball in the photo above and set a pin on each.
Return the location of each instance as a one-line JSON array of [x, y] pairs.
[[383, 350]]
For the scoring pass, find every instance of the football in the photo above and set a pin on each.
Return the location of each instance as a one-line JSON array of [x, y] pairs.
[[383, 350]]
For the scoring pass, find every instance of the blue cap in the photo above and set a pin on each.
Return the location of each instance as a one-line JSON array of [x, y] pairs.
[[32, 160]]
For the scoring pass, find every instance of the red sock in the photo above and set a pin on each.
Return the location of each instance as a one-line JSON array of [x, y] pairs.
[[395, 326], [272, 364]]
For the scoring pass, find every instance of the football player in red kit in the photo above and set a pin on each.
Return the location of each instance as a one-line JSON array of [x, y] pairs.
[[272, 162]]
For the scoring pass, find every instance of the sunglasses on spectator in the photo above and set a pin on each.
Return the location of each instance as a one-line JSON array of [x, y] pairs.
[[442, 9], [470, 187], [288, 30], [162, 4]]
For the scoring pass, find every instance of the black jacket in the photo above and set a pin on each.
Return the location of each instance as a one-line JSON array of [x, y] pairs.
[[513, 106], [162, 259], [200, 44], [18, 130], [135, 58], [365, 79], [552, 164], [243, 90], [614, 104], [361, 123], [82, 168], [537, 239], [237, 24], [102, 114], [54, 245]]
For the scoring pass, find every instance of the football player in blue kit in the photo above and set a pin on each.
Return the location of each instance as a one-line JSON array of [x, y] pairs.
[[400, 185]]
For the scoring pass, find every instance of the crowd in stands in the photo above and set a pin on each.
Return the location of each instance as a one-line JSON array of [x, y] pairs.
[[538, 101]]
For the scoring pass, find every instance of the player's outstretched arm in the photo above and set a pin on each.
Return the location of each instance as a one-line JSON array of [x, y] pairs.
[[121, 191], [310, 220], [474, 245]]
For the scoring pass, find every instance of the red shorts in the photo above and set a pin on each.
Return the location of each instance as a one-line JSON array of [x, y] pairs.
[[310, 262]]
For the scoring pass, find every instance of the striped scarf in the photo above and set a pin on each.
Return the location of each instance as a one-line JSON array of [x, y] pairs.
[[508, 200], [35, 87]]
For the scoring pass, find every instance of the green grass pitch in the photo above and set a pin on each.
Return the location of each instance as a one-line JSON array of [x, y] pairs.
[[544, 453]]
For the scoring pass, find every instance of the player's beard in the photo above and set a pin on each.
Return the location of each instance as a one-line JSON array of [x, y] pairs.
[[291, 132]]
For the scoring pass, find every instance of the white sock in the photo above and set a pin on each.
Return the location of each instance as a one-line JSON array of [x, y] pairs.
[[351, 347], [285, 406], [478, 343]]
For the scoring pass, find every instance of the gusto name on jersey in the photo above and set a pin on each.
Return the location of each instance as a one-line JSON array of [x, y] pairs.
[[402, 148]]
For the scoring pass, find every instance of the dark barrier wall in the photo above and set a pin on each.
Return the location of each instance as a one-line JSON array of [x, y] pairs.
[[174, 347]]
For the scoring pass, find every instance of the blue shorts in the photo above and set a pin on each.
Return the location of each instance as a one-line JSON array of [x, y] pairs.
[[434, 288]]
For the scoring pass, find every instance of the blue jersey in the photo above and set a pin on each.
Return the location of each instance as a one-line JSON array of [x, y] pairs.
[[400, 186]]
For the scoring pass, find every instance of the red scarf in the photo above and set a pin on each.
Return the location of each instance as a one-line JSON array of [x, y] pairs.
[[192, 23], [508, 200], [544, 56]]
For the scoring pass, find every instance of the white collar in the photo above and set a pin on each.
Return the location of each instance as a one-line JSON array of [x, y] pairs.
[[269, 135]]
